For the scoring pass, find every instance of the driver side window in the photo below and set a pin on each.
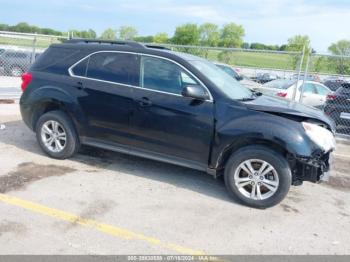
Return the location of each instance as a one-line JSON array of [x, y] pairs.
[[163, 75]]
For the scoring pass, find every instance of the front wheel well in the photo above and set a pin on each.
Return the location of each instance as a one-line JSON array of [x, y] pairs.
[[249, 142]]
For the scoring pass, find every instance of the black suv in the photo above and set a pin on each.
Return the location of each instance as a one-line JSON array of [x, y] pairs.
[[177, 108], [338, 107]]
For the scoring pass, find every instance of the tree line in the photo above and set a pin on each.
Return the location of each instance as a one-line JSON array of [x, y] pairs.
[[206, 34]]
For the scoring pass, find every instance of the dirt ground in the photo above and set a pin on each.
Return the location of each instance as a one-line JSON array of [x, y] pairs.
[[100, 202]]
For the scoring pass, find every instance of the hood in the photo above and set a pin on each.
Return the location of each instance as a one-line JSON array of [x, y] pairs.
[[286, 107]]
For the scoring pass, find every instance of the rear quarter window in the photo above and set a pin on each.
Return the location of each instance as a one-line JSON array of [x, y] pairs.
[[56, 60]]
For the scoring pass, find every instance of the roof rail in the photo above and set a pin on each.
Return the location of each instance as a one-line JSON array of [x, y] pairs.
[[98, 41], [155, 46]]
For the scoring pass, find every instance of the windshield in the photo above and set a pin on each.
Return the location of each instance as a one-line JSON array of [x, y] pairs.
[[227, 84], [229, 70]]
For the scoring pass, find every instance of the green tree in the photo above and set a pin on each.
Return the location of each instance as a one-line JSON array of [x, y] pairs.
[[341, 63], [109, 34], [4, 27], [126, 32], [144, 39], [296, 44], [232, 35], [341, 48], [245, 45], [258, 46], [209, 34], [160, 38], [186, 34]]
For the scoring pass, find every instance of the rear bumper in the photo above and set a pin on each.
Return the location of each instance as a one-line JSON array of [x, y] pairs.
[[313, 169]]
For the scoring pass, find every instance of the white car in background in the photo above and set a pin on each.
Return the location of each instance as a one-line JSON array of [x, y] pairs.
[[314, 93]]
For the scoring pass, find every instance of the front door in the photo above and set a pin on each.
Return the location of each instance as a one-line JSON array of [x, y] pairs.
[[166, 122]]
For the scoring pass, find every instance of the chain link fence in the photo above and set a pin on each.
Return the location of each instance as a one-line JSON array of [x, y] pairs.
[[317, 80], [335, 96], [17, 52]]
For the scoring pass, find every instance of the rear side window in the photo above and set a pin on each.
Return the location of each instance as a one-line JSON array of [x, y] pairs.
[[120, 68]]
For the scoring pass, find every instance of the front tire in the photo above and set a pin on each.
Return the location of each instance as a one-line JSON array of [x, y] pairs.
[[258, 176], [56, 135]]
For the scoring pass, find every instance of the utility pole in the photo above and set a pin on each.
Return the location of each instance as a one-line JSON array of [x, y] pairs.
[[299, 70]]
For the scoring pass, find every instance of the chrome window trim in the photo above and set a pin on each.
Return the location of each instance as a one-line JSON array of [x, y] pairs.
[[70, 72]]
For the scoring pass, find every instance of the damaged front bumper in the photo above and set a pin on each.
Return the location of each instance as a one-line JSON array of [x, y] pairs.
[[314, 169]]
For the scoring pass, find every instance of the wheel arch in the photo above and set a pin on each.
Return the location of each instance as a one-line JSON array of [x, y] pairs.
[[248, 141], [48, 99]]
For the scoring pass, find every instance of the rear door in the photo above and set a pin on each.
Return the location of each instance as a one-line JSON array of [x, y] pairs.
[[166, 122], [105, 83]]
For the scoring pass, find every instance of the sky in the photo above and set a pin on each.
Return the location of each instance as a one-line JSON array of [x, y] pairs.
[[264, 21]]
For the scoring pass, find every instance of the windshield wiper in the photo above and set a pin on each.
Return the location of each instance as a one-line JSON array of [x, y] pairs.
[[244, 99]]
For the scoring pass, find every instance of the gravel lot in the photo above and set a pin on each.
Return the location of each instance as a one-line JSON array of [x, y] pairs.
[[102, 202]]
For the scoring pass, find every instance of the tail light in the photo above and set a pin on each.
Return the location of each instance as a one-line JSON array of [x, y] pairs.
[[282, 94], [331, 96], [26, 79]]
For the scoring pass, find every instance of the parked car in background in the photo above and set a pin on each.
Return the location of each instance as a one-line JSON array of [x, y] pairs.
[[176, 108], [333, 83], [315, 78], [314, 93], [338, 105], [16, 62], [244, 80], [263, 78]]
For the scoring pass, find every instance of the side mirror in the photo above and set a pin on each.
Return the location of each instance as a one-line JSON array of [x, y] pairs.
[[196, 92], [239, 78]]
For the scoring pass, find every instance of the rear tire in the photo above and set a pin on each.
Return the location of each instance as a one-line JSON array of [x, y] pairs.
[[56, 135], [258, 176]]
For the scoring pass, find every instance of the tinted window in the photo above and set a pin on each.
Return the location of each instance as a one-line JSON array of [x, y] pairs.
[[80, 69], [56, 60], [163, 75], [114, 67]]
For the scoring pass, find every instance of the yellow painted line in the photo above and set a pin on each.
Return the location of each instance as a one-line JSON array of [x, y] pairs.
[[98, 226]]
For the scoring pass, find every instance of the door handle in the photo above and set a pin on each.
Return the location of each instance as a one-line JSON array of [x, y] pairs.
[[145, 102], [79, 85]]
